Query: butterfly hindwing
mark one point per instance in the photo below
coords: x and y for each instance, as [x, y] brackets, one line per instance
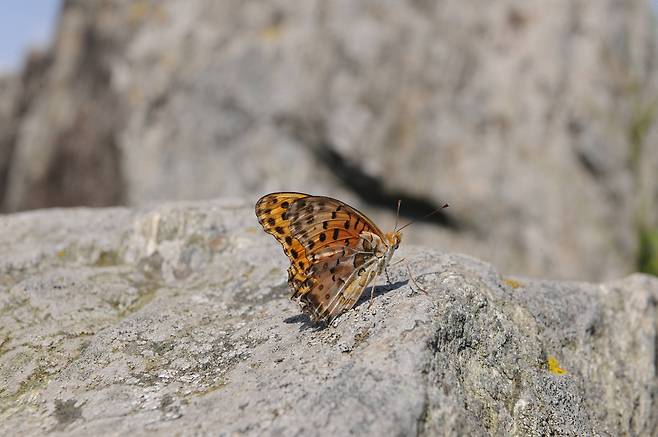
[337, 284]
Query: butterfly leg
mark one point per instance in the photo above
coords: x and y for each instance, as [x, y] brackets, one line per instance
[372, 291]
[388, 278]
[411, 277]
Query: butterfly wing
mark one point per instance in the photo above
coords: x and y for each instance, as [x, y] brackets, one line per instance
[332, 248]
[271, 211]
[330, 294]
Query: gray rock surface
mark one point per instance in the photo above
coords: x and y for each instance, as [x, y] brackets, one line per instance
[68, 117]
[532, 119]
[8, 90]
[174, 319]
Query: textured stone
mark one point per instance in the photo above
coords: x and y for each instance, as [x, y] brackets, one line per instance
[8, 90]
[530, 118]
[174, 319]
[65, 149]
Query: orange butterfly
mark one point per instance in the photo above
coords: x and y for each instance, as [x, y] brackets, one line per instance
[335, 251]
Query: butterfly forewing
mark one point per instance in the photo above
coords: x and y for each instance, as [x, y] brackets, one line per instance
[321, 221]
[271, 211]
[331, 247]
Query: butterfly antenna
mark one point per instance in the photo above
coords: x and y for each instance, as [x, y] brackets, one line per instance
[424, 217]
[397, 215]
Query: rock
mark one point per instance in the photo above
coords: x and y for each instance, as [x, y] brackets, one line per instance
[8, 90]
[68, 118]
[175, 319]
[533, 121]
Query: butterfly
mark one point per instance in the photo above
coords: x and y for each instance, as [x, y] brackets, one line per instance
[335, 251]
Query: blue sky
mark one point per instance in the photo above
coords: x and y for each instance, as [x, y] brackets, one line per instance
[29, 23]
[24, 24]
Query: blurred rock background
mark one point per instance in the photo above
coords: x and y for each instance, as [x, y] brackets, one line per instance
[534, 120]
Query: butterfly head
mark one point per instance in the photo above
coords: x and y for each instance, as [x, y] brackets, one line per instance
[393, 239]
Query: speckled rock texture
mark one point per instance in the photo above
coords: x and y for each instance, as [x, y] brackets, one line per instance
[174, 319]
[535, 120]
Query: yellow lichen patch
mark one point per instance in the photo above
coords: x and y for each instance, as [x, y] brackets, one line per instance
[554, 366]
[143, 10]
[107, 259]
[135, 96]
[272, 33]
[138, 11]
[512, 283]
[63, 254]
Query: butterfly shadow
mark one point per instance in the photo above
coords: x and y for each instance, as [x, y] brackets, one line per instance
[306, 323]
[380, 290]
